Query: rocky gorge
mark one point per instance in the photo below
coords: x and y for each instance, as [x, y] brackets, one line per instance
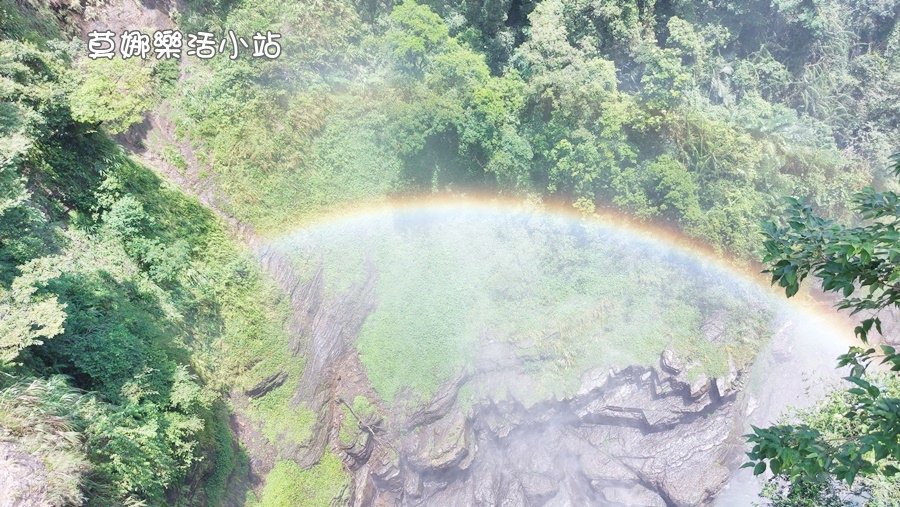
[657, 434]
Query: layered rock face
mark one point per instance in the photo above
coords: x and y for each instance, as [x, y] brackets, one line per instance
[25, 479]
[518, 426]
[636, 437]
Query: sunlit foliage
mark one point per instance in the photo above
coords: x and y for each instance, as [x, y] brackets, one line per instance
[861, 264]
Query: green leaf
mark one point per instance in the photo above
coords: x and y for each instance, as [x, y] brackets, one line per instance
[759, 468]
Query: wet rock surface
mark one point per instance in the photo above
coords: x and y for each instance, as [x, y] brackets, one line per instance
[24, 479]
[641, 436]
[322, 329]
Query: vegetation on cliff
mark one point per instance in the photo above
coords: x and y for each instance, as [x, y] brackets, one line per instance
[702, 116]
[855, 433]
[127, 312]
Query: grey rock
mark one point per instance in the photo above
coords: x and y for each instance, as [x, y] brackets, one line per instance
[632, 496]
[670, 362]
[699, 386]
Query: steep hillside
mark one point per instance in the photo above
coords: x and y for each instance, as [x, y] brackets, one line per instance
[166, 338]
[130, 311]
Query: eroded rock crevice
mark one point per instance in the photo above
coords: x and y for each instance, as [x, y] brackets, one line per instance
[640, 436]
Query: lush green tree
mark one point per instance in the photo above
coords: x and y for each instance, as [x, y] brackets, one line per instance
[114, 93]
[661, 188]
[32, 107]
[829, 418]
[416, 34]
[862, 264]
[26, 317]
[491, 128]
[93, 255]
[148, 443]
[504, 95]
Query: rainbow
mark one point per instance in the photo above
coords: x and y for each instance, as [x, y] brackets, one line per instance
[662, 235]
[795, 371]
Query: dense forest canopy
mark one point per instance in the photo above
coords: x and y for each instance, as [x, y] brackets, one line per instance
[128, 312]
[701, 115]
[115, 292]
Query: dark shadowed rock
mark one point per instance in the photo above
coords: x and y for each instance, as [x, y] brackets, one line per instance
[640, 437]
[267, 384]
[699, 386]
[443, 444]
[670, 362]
